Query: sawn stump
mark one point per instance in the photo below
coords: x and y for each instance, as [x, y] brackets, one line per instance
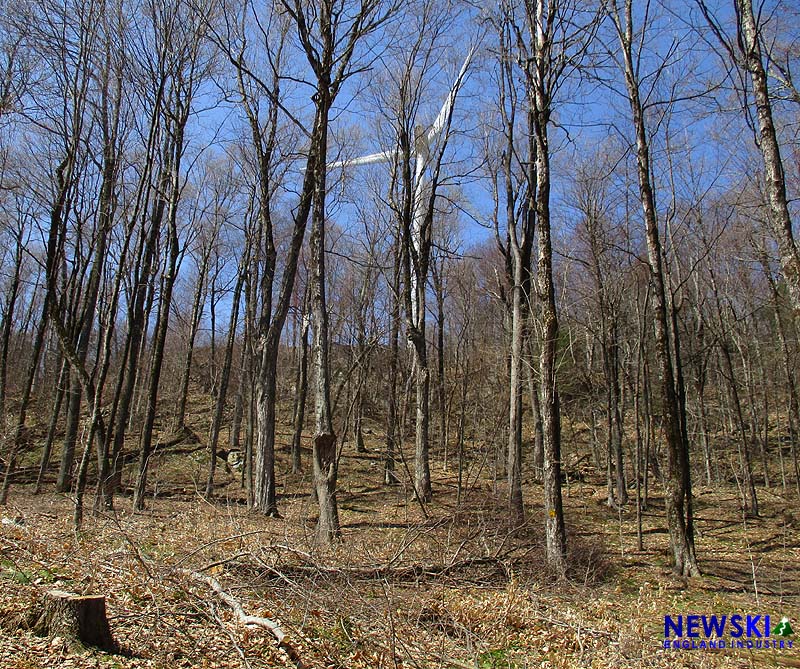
[77, 618]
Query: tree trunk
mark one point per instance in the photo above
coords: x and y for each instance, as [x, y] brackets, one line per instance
[743, 440]
[51, 430]
[775, 180]
[616, 424]
[162, 321]
[64, 482]
[441, 401]
[325, 463]
[264, 498]
[300, 394]
[555, 531]
[516, 510]
[194, 323]
[137, 317]
[392, 428]
[536, 412]
[676, 491]
[222, 390]
[422, 382]
[786, 364]
[8, 322]
[19, 430]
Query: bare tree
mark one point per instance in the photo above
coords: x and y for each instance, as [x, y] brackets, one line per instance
[746, 51]
[678, 479]
[64, 116]
[515, 193]
[329, 34]
[179, 33]
[225, 374]
[550, 38]
[246, 37]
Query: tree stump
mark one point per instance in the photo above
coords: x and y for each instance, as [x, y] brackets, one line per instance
[77, 618]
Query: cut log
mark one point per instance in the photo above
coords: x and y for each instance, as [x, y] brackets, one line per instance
[77, 618]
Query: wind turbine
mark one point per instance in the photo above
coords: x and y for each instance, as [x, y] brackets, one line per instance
[421, 151]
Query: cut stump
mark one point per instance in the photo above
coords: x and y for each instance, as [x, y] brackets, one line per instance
[77, 618]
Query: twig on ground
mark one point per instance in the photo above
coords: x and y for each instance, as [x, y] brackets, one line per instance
[219, 563]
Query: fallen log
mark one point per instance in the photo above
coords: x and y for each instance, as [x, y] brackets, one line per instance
[76, 618]
[268, 624]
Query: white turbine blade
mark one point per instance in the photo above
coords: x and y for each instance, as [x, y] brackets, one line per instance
[383, 156]
[441, 119]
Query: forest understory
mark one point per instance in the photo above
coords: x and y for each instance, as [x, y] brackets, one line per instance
[457, 588]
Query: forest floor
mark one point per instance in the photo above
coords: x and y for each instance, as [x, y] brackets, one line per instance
[454, 589]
